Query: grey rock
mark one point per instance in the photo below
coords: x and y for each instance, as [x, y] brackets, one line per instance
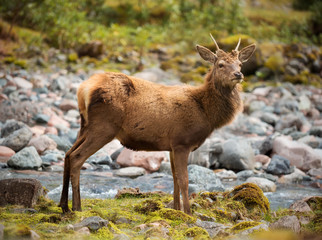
[165, 167]
[3, 82]
[256, 106]
[131, 172]
[267, 145]
[212, 228]
[27, 158]
[263, 183]
[286, 106]
[288, 223]
[93, 223]
[296, 135]
[296, 177]
[72, 135]
[315, 172]
[237, 155]
[1, 231]
[304, 103]
[204, 178]
[115, 154]
[312, 141]
[290, 70]
[59, 84]
[316, 131]
[269, 118]
[62, 142]
[18, 139]
[41, 118]
[288, 121]
[10, 126]
[243, 175]
[226, 175]
[279, 166]
[259, 227]
[20, 191]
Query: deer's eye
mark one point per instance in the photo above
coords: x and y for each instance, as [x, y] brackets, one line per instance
[221, 65]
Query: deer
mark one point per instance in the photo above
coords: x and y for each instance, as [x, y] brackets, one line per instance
[149, 116]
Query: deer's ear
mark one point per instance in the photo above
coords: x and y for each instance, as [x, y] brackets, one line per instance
[246, 53]
[206, 54]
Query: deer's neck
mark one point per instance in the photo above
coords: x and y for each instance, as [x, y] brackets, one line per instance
[220, 104]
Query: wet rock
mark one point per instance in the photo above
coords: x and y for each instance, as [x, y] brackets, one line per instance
[22, 83]
[214, 229]
[5, 154]
[41, 118]
[299, 154]
[296, 177]
[263, 183]
[63, 143]
[279, 166]
[204, 179]
[237, 155]
[150, 161]
[287, 223]
[18, 139]
[43, 143]
[93, 223]
[226, 175]
[27, 158]
[20, 191]
[131, 172]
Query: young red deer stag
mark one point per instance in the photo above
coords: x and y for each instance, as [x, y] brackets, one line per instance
[152, 117]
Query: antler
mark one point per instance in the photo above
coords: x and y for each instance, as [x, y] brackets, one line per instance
[215, 42]
[236, 49]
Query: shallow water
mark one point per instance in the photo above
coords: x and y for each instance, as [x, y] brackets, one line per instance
[103, 185]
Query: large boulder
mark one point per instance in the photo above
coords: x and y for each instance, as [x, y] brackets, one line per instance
[27, 158]
[299, 154]
[237, 155]
[18, 139]
[287, 223]
[24, 192]
[150, 161]
[203, 179]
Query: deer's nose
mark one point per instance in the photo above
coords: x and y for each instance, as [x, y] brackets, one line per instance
[238, 75]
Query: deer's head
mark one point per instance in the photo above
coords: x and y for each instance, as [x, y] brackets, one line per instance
[226, 65]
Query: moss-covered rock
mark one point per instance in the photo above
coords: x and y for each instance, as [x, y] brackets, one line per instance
[176, 215]
[243, 226]
[148, 206]
[197, 233]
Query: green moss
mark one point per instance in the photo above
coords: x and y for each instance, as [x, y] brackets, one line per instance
[72, 57]
[243, 226]
[9, 59]
[191, 77]
[197, 233]
[275, 62]
[230, 42]
[104, 233]
[175, 215]
[148, 206]
[251, 196]
[21, 63]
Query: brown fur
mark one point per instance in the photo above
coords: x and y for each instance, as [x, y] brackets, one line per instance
[149, 116]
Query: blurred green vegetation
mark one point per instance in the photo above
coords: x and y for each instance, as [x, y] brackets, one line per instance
[138, 24]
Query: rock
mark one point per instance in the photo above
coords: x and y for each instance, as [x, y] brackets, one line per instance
[150, 161]
[299, 154]
[263, 183]
[263, 159]
[157, 75]
[279, 166]
[226, 175]
[304, 103]
[5, 154]
[256, 106]
[84, 231]
[131, 172]
[204, 178]
[19, 191]
[68, 104]
[269, 118]
[243, 175]
[316, 131]
[56, 121]
[41, 118]
[18, 139]
[262, 91]
[10, 126]
[1, 231]
[237, 155]
[93, 223]
[34, 235]
[267, 145]
[22, 83]
[59, 84]
[63, 143]
[307, 204]
[315, 172]
[214, 229]
[43, 143]
[288, 121]
[295, 177]
[27, 158]
[260, 227]
[165, 167]
[287, 223]
[91, 49]
[312, 141]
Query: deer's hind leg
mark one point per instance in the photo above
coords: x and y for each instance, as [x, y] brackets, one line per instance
[176, 189]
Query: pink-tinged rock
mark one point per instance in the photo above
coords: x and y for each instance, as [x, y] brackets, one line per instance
[313, 113]
[5, 154]
[56, 121]
[263, 159]
[51, 130]
[3, 97]
[318, 122]
[43, 143]
[262, 91]
[22, 83]
[300, 155]
[112, 147]
[150, 161]
[38, 130]
[68, 104]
